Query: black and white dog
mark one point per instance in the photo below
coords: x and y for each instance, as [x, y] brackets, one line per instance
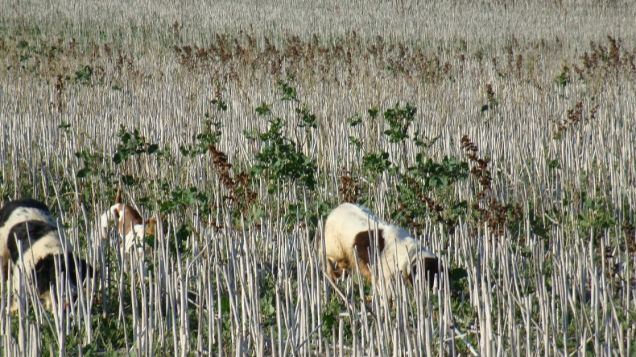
[32, 251]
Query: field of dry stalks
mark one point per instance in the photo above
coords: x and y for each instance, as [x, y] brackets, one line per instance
[501, 133]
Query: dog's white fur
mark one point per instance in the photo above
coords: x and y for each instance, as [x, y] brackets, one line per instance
[399, 255]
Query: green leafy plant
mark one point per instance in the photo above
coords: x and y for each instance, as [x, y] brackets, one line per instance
[279, 160]
[219, 103]
[373, 112]
[84, 74]
[399, 120]
[298, 214]
[376, 163]
[210, 136]
[330, 318]
[64, 126]
[91, 163]
[425, 190]
[354, 120]
[267, 299]
[595, 215]
[181, 198]
[288, 93]
[564, 78]
[307, 118]
[132, 144]
[263, 109]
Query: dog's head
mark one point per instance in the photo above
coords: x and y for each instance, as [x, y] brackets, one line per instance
[60, 275]
[431, 267]
[150, 226]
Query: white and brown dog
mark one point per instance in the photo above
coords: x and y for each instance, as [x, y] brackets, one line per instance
[131, 227]
[356, 237]
[33, 253]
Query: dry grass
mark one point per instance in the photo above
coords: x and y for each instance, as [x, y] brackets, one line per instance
[543, 92]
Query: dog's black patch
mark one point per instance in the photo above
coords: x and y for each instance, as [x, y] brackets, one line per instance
[23, 235]
[8, 208]
[46, 276]
[431, 268]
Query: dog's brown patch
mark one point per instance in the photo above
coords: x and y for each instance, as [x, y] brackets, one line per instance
[130, 219]
[337, 269]
[364, 249]
[362, 244]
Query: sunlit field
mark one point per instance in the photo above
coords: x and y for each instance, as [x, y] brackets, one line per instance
[501, 134]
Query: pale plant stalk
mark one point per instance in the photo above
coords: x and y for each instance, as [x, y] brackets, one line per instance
[524, 294]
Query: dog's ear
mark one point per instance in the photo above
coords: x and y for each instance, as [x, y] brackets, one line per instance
[45, 273]
[432, 269]
[80, 268]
